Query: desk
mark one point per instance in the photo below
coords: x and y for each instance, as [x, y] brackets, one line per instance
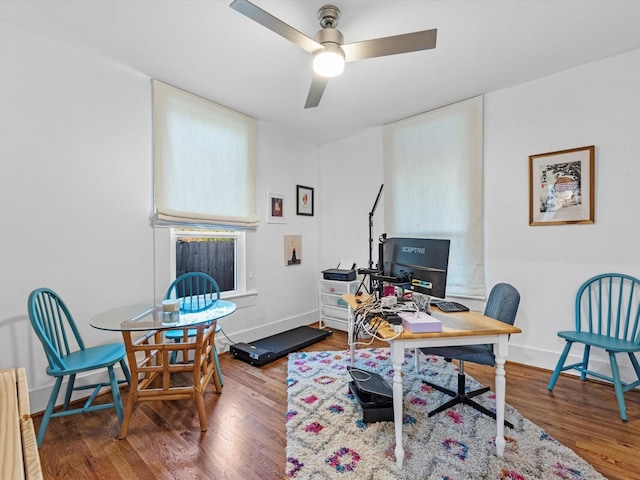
[153, 353]
[465, 328]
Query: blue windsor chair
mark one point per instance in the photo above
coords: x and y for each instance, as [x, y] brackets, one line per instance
[607, 316]
[196, 291]
[68, 356]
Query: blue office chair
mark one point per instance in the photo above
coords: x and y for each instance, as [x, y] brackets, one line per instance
[502, 305]
[607, 316]
[68, 356]
[196, 291]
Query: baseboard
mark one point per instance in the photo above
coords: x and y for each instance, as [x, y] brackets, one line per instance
[547, 360]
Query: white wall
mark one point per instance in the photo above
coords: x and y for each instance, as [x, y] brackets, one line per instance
[76, 199]
[350, 178]
[287, 295]
[76, 190]
[75, 153]
[595, 104]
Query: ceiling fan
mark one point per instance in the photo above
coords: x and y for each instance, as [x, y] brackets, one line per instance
[329, 53]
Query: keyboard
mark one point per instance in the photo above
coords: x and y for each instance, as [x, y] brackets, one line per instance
[450, 307]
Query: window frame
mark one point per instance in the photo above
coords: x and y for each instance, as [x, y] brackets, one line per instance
[240, 255]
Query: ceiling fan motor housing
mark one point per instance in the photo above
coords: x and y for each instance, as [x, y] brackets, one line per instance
[329, 16]
[329, 35]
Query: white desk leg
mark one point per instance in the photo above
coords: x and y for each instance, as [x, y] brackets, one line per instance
[501, 383]
[351, 340]
[397, 357]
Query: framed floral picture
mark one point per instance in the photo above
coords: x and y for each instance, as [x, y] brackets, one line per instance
[275, 208]
[561, 187]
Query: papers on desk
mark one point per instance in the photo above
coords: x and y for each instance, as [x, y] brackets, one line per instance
[420, 322]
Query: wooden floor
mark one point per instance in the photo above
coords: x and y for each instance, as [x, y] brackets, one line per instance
[246, 435]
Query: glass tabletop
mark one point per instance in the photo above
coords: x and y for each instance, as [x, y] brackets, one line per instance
[144, 316]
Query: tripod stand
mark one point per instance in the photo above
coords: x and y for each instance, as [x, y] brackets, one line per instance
[370, 272]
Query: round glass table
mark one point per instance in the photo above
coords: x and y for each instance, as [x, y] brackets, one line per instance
[143, 317]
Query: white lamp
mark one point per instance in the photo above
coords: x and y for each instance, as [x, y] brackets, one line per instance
[329, 62]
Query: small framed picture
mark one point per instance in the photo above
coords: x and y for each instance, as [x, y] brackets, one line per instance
[561, 187]
[275, 208]
[304, 202]
[292, 250]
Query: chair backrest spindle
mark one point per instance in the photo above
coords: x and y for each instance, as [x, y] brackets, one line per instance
[196, 289]
[54, 326]
[609, 304]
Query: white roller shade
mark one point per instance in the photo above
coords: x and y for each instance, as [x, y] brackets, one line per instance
[204, 162]
[434, 187]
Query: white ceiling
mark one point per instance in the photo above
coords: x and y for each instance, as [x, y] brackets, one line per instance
[211, 50]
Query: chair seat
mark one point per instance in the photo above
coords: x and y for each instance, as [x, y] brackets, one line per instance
[601, 341]
[196, 304]
[481, 354]
[177, 334]
[90, 359]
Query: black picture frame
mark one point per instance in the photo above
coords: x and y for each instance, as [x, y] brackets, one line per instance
[304, 200]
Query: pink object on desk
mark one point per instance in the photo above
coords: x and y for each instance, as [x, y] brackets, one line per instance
[420, 322]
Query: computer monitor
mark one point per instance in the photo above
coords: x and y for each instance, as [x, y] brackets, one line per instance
[419, 264]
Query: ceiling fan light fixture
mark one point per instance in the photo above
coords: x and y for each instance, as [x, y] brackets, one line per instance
[329, 62]
[328, 47]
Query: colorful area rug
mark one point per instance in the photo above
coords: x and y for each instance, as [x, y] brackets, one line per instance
[327, 439]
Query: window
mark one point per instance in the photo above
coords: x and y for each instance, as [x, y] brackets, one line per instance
[217, 253]
[433, 187]
[204, 188]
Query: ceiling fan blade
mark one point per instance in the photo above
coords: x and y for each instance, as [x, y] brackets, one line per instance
[380, 47]
[318, 84]
[276, 25]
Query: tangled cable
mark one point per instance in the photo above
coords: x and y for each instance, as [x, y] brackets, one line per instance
[371, 314]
